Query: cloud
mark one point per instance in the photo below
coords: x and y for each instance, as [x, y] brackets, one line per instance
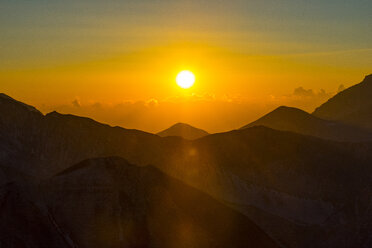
[306, 99]
[204, 110]
[76, 103]
[300, 91]
[154, 115]
[311, 94]
[152, 102]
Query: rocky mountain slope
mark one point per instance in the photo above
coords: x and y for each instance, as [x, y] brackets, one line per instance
[107, 202]
[123, 205]
[302, 191]
[352, 105]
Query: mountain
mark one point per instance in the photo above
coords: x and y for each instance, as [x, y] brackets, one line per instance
[296, 120]
[183, 130]
[301, 190]
[291, 185]
[42, 145]
[123, 205]
[352, 105]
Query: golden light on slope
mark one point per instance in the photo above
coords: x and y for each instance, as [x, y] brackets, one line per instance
[185, 79]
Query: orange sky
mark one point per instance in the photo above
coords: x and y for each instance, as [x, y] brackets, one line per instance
[117, 62]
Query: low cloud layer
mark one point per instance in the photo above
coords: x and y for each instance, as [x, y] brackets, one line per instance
[214, 114]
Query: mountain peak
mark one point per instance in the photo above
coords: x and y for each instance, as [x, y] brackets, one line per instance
[289, 110]
[183, 130]
[281, 116]
[181, 124]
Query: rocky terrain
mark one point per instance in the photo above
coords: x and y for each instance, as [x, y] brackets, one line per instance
[73, 179]
[123, 205]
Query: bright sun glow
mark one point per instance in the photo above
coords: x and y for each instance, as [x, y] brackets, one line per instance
[185, 79]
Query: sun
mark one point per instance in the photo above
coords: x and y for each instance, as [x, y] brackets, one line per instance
[185, 79]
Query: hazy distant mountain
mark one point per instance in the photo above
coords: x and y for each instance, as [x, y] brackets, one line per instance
[296, 120]
[353, 105]
[107, 202]
[183, 130]
[301, 190]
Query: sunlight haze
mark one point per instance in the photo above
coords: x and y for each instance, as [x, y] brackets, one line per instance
[116, 61]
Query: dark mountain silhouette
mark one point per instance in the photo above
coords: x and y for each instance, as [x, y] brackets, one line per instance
[301, 190]
[183, 130]
[296, 120]
[292, 185]
[23, 223]
[352, 105]
[123, 205]
[44, 145]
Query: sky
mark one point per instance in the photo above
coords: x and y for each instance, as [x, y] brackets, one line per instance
[116, 61]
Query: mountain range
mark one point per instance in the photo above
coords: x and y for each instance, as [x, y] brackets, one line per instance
[290, 179]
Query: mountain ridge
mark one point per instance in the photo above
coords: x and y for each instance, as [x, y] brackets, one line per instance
[296, 120]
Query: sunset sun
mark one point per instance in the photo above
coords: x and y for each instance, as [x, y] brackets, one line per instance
[185, 79]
